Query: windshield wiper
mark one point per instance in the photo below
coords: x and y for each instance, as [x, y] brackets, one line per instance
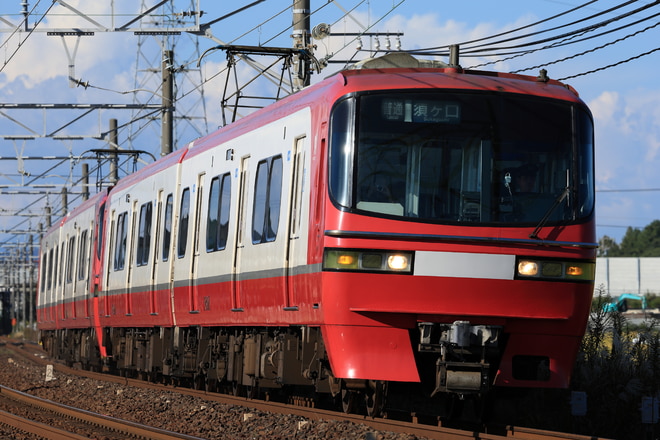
[544, 220]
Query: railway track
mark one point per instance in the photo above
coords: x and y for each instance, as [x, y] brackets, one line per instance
[52, 420]
[413, 426]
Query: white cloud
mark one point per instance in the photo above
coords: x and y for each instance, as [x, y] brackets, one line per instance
[604, 106]
[39, 57]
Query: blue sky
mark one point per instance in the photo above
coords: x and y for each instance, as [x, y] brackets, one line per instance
[624, 99]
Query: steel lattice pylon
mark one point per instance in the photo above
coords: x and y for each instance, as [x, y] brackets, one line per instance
[190, 118]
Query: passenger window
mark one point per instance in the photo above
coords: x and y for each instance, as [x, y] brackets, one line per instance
[70, 259]
[217, 223]
[144, 235]
[82, 256]
[120, 244]
[99, 242]
[267, 200]
[43, 281]
[167, 228]
[60, 264]
[49, 283]
[184, 217]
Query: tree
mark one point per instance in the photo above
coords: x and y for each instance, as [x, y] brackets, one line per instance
[607, 246]
[635, 243]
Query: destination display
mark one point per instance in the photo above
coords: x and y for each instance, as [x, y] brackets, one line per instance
[422, 111]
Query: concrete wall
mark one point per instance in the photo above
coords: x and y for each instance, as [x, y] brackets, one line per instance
[628, 275]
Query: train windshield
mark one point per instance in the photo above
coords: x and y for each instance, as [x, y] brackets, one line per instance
[462, 158]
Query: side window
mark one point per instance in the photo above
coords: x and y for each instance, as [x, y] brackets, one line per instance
[184, 217]
[144, 235]
[59, 264]
[44, 276]
[167, 228]
[217, 224]
[267, 200]
[82, 255]
[120, 244]
[70, 259]
[49, 282]
[99, 242]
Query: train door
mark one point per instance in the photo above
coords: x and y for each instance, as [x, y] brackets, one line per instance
[130, 263]
[58, 279]
[240, 233]
[97, 257]
[81, 278]
[111, 262]
[155, 261]
[295, 209]
[69, 268]
[194, 259]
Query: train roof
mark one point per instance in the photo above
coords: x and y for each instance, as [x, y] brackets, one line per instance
[394, 71]
[404, 71]
[83, 207]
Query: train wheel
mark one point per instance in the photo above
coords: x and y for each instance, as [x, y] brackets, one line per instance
[374, 397]
[236, 388]
[348, 400]
[199, 382]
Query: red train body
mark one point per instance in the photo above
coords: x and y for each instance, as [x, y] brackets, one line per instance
[368, 229]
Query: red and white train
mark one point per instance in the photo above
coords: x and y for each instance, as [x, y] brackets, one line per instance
[407, 224]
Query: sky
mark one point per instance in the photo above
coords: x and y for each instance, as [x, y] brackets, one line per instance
[35, 67]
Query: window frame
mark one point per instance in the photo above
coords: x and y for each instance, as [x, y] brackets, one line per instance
[267, 202]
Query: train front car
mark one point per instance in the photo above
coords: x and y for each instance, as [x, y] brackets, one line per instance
[459, 240]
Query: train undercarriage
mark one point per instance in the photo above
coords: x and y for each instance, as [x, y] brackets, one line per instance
[456, 363]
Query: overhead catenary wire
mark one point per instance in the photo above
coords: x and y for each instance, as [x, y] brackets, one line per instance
[600, 69]
[513, 31]
[566, 34]
[566, 37]
[590, 50]
[28, 35]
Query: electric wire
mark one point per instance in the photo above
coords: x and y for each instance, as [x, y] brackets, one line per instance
[600, 69]
[590, 50]
[573, 41]
[513, 31]
[29, 33]
[584, 29]
[569, 34]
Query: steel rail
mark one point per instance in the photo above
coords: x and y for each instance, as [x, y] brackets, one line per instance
[382, 424]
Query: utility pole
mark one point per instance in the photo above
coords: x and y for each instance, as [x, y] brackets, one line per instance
[65, 202]
[85, 181]
[167, 128]
[301, 40]
[114, 145]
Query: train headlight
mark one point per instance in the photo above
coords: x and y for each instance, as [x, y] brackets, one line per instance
[367, 260]
[528, 268]
[542, 269]
[398, 262]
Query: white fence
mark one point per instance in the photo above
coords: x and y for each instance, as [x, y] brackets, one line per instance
[628, 275]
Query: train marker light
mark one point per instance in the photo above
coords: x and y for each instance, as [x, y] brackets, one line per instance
[574, 271]
[345, 260]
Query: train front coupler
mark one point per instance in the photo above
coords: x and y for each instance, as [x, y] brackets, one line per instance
[464, 351]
